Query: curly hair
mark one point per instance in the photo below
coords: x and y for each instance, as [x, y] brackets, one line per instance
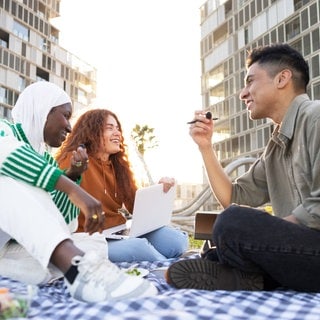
[89, 130]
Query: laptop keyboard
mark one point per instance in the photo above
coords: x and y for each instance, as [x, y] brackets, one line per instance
[124, 232]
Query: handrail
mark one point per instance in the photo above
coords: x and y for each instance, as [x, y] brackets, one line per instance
[203, 195]
[187, 212]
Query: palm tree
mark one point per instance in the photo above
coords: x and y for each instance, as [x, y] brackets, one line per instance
[144, 139]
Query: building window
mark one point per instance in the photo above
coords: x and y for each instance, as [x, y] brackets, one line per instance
[246, 14]
[273, 36]
[82, 98]
[299, 4]
[242, 59]
[260, 138]
[292, 28]
[4, 39]
[306, 45]
[246, 36]
[3, 95]
[235, 147]
[25, 16]
[30, 19]
[316, 91]
[315, 40]
[220, 34]
[297, 45]
[259, 6]
[215, 77]
[248, 142]
[313, 14]
[42, 75]
[267, 135]
[36, 22]
[304, 20]
[244, 121]
[281, 33]
[23, 49]
[228, 7]
[217, 94]
[242, 144]
[10, 97]
[20, 31]
[11, 61]
[253, 9]
[20, 11]
[238, 124]
[240, 18]
[22, 83]
[315, 66]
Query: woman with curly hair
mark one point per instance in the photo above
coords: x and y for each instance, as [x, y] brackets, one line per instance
[110, 180]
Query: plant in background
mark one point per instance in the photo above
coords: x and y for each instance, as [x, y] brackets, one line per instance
[144, 139]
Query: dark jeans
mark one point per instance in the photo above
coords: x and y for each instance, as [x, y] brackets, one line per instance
[287, 254]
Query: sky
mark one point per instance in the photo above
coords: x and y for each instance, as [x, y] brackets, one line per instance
[147, 55]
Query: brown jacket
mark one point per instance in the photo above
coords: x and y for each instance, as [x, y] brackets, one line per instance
[99, 181]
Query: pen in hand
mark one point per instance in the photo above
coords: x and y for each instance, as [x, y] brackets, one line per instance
[208, 116]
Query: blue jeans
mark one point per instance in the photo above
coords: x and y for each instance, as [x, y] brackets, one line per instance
[287, 254]
[158, 245]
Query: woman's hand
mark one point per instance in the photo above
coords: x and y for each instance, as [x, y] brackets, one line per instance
[92, 210]
[167, 183]
[91, 207]
[79, 163]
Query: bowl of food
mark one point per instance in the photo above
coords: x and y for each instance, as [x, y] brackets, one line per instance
[15, 304]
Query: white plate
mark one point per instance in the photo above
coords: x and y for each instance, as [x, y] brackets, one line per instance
[159, 272]
[143, 272]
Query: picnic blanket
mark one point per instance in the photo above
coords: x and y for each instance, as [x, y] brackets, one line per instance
[54, 302]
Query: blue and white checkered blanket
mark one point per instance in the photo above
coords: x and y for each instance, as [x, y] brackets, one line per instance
[54, 302]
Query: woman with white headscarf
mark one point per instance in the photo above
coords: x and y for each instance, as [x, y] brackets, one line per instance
[33, 232]
[30, 112]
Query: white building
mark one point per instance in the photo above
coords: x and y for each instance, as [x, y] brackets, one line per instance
[30, 52]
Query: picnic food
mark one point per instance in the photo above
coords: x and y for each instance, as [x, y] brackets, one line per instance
[12, 306]
[133, 271]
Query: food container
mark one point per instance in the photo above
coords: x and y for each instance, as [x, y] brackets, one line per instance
[15, 304]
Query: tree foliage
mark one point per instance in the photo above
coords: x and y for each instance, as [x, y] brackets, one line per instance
[144, 138]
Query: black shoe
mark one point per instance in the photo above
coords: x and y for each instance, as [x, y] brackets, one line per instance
[208, 251]
[209, 254]
[211, 275]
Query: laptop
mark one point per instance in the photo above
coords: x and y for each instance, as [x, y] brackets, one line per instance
[152, 210]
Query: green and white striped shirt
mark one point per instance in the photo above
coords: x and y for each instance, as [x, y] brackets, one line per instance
[20, 161]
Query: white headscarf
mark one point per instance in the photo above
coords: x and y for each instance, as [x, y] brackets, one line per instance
[32, 109]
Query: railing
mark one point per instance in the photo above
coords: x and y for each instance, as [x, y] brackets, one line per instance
[184, 217]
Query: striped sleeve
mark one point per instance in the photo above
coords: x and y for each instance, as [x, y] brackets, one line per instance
[18, 160]
[61, 199]
[26, 165]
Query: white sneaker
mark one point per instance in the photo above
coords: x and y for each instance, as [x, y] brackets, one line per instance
[99, 280]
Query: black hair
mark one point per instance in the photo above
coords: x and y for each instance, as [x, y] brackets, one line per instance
[281, 56]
